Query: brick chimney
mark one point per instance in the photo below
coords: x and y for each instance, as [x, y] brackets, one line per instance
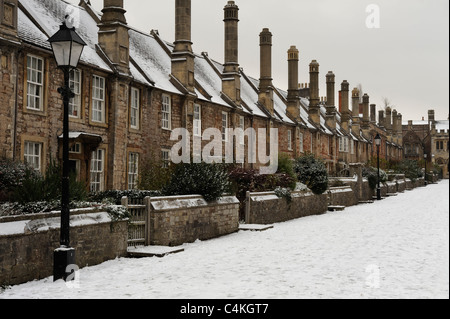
[182, 55]
[8, 19]
[331, 100]
[265, 96]
[381, 118]
[373, 113]
[113, 35]
[344, 109]
[314, 99]
[231, 81]
[366, 116]
[431, 117]
[355, 112]
[388, 120]
[293, 107]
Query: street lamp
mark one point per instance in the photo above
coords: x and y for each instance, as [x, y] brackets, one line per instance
[67, 47]
[425, 156]
[378, 144]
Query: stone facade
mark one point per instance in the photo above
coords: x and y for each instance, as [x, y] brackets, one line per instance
[134, 89]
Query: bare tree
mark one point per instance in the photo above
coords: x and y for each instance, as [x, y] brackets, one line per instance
[387, 103]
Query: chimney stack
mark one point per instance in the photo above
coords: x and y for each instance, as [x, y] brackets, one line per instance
[373, 113]
[366, 116]
[265, 81]
[8, 20]
[113, 35]
[231, 82]
[330, 100]
[381, 119]
[182, 56]
[345, 111]
[355, 110]
[314, 99]
[293, 98]
[431, 117]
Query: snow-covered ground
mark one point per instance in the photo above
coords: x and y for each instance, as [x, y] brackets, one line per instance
[396, 248]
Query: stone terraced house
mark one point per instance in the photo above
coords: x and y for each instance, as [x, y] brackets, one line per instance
[133, 88]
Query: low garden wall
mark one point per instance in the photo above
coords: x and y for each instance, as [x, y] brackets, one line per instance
[267, 208]
[177, 220]
[27, 243]
[342, 196]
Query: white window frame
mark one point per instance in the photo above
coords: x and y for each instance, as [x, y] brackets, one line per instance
[224, 126]
[242, 127]
[302, 150]
[197, 125]
[75, 148]
[35, 83]
[33, 155]
[98, 99]
[97, 172]
[166, 111]
[75, 82]
[289, 140]
[133, 170]
[165, 157]
[135, 108]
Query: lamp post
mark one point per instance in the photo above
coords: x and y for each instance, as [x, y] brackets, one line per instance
[425, 156]
[67, 47]
[378, 144]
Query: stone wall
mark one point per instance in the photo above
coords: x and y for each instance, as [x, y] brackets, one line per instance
[267, 208]
[27, 246]
[184, 219]
[342, 196]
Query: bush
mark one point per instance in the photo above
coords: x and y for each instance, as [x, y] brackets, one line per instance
[12, 175]
[371, 174]
[312, 172]
[37, 188]
[154, 176]
[410, 168]
[285, 166]
[209, 180]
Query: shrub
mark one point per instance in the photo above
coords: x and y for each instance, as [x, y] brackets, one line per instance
[154, 176]
[371, 174]
[410, 168]
[209, 180]
[312, 172]
[285, 166]
[37, 188]
[12, 175]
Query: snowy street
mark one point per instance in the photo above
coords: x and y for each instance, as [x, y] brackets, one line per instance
[396, 248]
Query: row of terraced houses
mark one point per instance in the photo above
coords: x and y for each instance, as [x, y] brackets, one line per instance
[132, 89]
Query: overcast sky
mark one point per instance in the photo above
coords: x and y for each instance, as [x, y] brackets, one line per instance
[405, 60]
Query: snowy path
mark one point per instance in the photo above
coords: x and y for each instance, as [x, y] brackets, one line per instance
[397, 248]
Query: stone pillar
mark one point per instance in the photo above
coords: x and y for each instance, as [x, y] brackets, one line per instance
[182, 56]
[345, 111]
[113, 35]
[331, 101]
[8, 20]
[265, 81]
[231, 82]
[314, 100]
[355, 112]
[293, 107]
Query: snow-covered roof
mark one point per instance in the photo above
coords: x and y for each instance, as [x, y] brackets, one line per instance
[48, 15]
[442, 125]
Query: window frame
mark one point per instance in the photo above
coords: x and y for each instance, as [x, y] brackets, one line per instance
[78, 94]
[39, 156]
[133, 170]
[135, 107]
[225, 123]
[29, 81]
[100, 180]
[197, 122]
[98, 100]
[166, 102]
